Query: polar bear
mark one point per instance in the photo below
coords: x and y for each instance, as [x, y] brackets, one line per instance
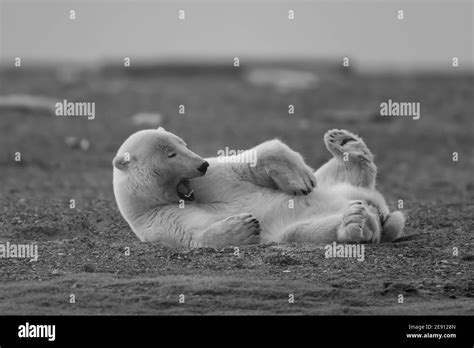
[171, 195]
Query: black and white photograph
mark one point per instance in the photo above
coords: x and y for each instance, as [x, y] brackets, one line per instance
[236, 159]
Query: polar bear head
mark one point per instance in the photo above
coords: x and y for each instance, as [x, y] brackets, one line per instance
[153, 167]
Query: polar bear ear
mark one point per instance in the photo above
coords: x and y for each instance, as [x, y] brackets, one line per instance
[121, 161]
[161, 129]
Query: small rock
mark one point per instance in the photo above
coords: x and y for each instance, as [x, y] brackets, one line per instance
[75, 143]
[88, 269]
[147, 119]
[449, 286]
[84, 144]
[71, 141]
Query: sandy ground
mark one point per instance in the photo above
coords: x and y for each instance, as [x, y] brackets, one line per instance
[84, 251]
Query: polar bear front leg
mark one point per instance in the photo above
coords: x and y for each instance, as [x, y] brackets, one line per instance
[240, 229]
[280, 167]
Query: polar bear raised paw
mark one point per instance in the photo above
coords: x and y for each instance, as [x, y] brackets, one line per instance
[340, 141]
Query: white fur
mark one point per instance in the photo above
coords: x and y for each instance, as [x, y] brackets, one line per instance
[239, 204]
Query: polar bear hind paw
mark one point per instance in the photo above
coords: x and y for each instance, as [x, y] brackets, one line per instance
[357, 225]
[340, 141]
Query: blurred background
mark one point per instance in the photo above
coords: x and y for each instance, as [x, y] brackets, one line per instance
[369, 32]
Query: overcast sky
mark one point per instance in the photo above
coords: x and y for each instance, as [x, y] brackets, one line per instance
[431, 33]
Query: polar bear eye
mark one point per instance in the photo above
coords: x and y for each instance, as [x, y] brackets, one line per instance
[170, 155]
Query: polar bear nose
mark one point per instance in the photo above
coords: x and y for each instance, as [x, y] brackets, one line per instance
[203, 167]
